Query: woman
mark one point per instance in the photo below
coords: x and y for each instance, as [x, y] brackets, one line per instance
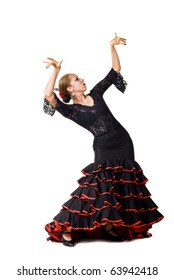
[111, 200]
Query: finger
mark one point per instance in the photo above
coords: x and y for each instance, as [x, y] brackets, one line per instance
[122, 39]
[48, 65]
[123, 42]
[50, 58]
[115, 35]
[47, 61]
[60, 62]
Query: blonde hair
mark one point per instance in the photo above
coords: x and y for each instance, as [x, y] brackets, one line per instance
[64, 82]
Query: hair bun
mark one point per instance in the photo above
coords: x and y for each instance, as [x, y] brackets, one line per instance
[66, 98]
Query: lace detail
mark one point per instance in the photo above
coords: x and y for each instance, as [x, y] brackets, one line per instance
[119, 82]
[66, 110]
[104, 124]
[112, 77]
[97, 119]
[48, 108]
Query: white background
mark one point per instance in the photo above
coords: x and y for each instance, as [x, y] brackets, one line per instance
[42, 156]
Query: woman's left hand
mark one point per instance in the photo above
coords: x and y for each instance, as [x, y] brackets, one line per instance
[117, 41]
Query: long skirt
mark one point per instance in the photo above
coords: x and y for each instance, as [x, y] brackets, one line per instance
[111, 191]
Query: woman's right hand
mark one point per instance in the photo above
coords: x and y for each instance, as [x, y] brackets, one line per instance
[49, 95]
[53, 62]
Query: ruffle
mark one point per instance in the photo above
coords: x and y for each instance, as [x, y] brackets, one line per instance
[48, 108]
[120, 165]
[118, 80]
[112, 191]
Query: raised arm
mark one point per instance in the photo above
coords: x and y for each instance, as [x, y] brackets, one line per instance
[113, 77]
[48, 93]
[51, 102]
[114, 56]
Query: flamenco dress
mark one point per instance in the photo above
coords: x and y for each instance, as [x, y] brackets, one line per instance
[112, 189]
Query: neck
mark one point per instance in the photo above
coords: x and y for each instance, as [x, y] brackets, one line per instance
[79, 98]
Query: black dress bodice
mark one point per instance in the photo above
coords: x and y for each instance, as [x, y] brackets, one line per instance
[98, 119]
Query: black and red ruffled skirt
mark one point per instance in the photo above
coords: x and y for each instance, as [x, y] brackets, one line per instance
[111, 191]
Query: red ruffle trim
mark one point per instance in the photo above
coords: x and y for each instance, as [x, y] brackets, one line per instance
[130, 232]
[117, 206]
[115, 169]
[86, 198]
[136, 182]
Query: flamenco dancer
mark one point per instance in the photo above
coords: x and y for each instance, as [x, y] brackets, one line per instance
[111, 200]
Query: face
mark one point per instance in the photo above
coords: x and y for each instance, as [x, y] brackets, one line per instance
[77, 85]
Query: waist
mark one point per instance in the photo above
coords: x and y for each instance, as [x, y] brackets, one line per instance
[116, 144]
[112, 139]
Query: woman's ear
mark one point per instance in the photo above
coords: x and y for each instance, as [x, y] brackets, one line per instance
[69, 89]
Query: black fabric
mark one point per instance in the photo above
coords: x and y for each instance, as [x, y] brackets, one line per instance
[109, 192]
[98, 119]
[115, 144]
[112, 189]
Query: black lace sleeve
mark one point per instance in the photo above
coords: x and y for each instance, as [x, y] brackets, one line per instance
[66, 110]
[112, 77]
[48, 108]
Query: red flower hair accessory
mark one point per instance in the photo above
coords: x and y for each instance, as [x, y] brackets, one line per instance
[61, 94]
